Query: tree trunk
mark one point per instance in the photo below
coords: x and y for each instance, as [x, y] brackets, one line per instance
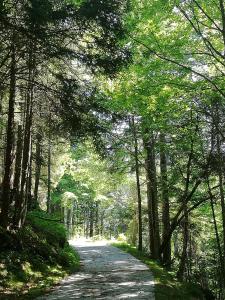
[87, 223]
[166, 255]
[176, 219]
[19, 149]
[29, 201]
[1, 142]
[6, 185]
[16, 184]
[21, 208]
[220, 173]
[91, 221]
[222, 10]
[221, 189]
[49, 177]
[221, 257]
[138, 185]
[183, 261]
[37, 168]
[150, 215]
[102, 223]
[152, 195]
[97, 219]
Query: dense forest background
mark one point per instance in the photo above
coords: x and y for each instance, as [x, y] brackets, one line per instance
[112, 122]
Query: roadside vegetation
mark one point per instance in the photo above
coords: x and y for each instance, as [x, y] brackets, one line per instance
[167, 287]
[35, 258]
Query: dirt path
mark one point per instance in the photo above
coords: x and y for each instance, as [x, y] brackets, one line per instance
[106, 273]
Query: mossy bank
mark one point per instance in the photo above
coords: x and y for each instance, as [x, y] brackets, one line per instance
[35, 258]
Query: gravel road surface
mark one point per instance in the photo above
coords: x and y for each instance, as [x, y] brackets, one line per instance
[106, 273]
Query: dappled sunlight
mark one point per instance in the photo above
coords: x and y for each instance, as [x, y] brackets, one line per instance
[82, 286]
[106, 273]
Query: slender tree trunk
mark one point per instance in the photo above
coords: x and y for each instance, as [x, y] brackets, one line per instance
[221, 257]
[166, 255]
[87, 221]
[71, 219]
[1, 143]
[49, 177]
[21, 209]
[222, 10]
[29, 201]
[183, 261]
[220, 173]
[75, 218]
[221, 189]
[97, 219]
[6, 185]
[37, 168]
[19, 150]
[102, 223]
[176, 219]
[140, 246]
[91, 221]
[150, 215]
[152, 195]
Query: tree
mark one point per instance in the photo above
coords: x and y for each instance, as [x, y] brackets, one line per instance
[41, 39]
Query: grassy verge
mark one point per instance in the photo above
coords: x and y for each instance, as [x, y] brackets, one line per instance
[166, 286]
[35, 258]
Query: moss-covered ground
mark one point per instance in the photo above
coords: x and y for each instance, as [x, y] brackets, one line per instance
[35, 258]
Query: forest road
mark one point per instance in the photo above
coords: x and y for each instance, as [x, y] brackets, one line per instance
[106, 273]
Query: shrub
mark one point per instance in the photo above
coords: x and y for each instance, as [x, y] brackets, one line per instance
[54, 232]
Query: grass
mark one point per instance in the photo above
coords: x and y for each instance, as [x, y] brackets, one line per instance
[166, 286]
[34, 259]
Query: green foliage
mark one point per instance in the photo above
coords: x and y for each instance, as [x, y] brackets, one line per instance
[174, 86]
[48, 224]
[69, 258]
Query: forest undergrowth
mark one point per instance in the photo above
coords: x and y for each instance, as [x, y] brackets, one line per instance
[35, 258]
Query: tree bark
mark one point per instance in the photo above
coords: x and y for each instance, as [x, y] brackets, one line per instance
[183, 261]
[222, 10]
[91, 221]
[29, 201]
[17, 176]
[221, 257]
[97, 219]
[221, 189]
[37, 168]
[176, 219]
[137, 172]
[102, 223]
[21, 208]
[49, 176]
[152, 195]
[220, 172]
[6, 185]
[166, 255]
